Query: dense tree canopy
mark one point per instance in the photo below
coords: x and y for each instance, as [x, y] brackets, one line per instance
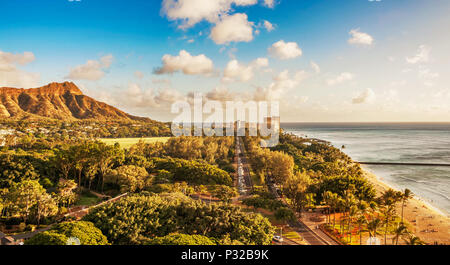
[193, 172]
[14, 169]
[140, 217]
[85, 232]
[129, 178]
[180, 239]
[29, 199]
[362, 188]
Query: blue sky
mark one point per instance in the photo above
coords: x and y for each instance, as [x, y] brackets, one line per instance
[367, 79]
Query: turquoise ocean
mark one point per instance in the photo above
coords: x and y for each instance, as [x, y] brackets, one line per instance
[394, 142]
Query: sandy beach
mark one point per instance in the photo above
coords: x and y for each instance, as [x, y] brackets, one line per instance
[426, 222]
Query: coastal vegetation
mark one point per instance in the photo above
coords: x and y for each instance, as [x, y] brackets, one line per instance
[39, 184]
[140, 218]
[165, 182]
[313, 175]
[81, 232]
[128, 142]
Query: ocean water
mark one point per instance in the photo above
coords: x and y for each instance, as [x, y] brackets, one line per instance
[391, 142]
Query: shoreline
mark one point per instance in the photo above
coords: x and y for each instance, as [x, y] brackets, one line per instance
[388, 185]
[425, 220]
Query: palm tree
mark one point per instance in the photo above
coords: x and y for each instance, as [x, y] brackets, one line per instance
[373, 226]
[340, 205]
[373, 209]
[405, 196]
[361, 218]
[413, 240]
[400, 230]
[388, 199]
[327, 200]
[334, 201]
[352, 212]
[360, 221]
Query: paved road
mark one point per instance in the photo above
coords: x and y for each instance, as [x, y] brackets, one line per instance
[244, 180]
[286, 241]
[313, 236]
[316, 237]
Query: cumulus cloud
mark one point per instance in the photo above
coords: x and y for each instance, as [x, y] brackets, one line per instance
[234, 28]
[138, 97]
[340, 79]
[139, 74]
[426, 73]
[260, 62]
[360, 38]
[269, 3]
[11, 75]
[106, 60]
[165, 82]
[427, 76]
[92, 70]
[269, 26]
[191, 12]
[365, 96]
[315, 67]
[221, 93]
[186, 63]
[281, 84]
[7, 58]
[285, 50]
[422, 55]
[237, 71]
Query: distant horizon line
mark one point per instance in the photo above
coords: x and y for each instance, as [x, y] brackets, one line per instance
[358, 122]
[371, 122]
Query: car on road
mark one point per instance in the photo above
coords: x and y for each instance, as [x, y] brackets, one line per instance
[278, 238]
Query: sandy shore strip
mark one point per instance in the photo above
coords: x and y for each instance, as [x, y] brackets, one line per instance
[426, 221]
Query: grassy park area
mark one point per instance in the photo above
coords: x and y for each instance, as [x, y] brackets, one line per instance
[128, 142]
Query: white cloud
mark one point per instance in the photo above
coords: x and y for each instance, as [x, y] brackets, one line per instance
[427, 76]
[340, 79]
[442, 94]
[138, 97]
[426, 73]
[261, 62]
[285, 50]
[360, 38]
[281, 84]
[165, 82]
[300, 76]
[221, 93]
[398, 83]
[168, 96]
[237, 71]
[185, 62]
[191, 12]
[234, 28]
[269, 26]
[315, 67]
[365, 96]
[422, 56]
[106, 60]
[7, 58]
[12, 76]
[139, 74]
[269, 3]
[92, 70]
